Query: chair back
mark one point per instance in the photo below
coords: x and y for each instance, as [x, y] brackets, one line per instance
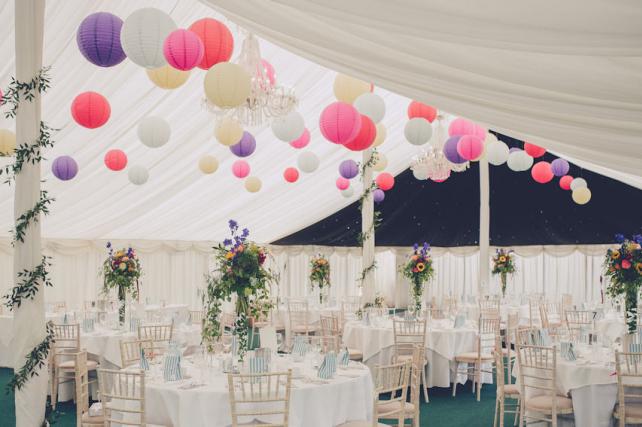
[157, 333]
[130, 351]
[628, 366]
[408, 334]
[487, 334]
[349, 309]
[330, 325]
[122, 395]
[489, 307]
[499, 366]
[59, 306]
[418, 363]
[67, 337]
[550, 312]
[575, 319]
[393, 380]
[81, 381]
[196, 317]
[434, 313]
[227, 321]
[524, 336]
[537, 372]
[325, 343]
[299, 315]
[254, 395]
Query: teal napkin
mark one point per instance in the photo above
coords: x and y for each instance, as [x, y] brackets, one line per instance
[172, 364]
[88, 325]
[329, 366]
[144, 363]
[344, 357]
[134, 323]
[460, 321]
[300, 346]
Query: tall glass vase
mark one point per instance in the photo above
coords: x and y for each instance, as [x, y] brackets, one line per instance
[122, 301]
[631, 306]
[417, 292]
[241, 325]
[502, 277]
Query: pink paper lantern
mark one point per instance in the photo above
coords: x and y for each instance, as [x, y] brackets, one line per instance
[291, 174]
[534, 150]
[115, 160]
[269, 72]
[385, 181]
[470, 147]
[90, 110]
[240, 169]
[461, 127]
[565, 182]
[340, 122]
[183, 49]
[217, 41]
[418, 109]
[365, 137]
[542, 173]
[342, 183]
[301, 141]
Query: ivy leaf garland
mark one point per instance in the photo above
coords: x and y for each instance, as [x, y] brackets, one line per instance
[376, 221]
[36, 359]
[29, 284]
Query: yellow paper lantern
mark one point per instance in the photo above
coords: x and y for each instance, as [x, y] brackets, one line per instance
[347, 88]
[581, 195]
[381, 163]
[227, 85]
[228, 131]
[252, 184]
[380, 137]
[167, 77]
[7, 142]
[208, 164]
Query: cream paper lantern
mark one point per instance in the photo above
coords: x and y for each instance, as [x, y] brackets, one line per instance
[420, 174]
[228, 131]
[490, 138]
[578, 183]
[252, 184]
[307, 162]
[7, 142]
[143, 34]
[371, 105]
[167, 77]
[289, 127]
[208, 164]
[380, 137]
[519, 161]
[154, 131]
[348, 89]
[138, 175]
[348, 192]
[497, 152]
[227, 85]
[418, 131]
[581, 195]
[381, 163]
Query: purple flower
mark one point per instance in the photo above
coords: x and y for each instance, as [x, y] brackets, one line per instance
[619, 238]
[638, 239]
[108, 244]
[233, 225]
[227, 242]
[246, 232]
[415, 246]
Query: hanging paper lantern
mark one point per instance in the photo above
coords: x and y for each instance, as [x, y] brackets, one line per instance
[578, 183]
[154, 131]
[7, 142]
[378, 195]
[240, 169]
[450, 150]
[291, 174]
[308, 162]
[208, 164]
[227, 85]
[542, 172]
[348, 192]
[252, 184]
[381, 163]
[268, 72]
[138, 175]
[364, 139]
[98, 39]
[470, 147]
[462, 127]
[340, 122]
[371, 105]
[513, 149]
[90, 109]
[289, 127]
[420, 174]
[348, 169]
[228, 131]
[348, 89]
[560, 167]
[115, 160]
[143, 35]
[417, 109]
[440, 180]
[519, 161]
[385, 181]
[342, 183]
[301, 141]
[218, 43]
[245, 146]
[490, 139]
[418, 131]
[183, 49]
[565, 182]
[497, 152]
[533, 150]
[380, 138]
[167, 77]
[64, 168]
[581, 195]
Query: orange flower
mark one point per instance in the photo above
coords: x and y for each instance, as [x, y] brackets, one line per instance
[502, 258]
[421, 266]
[414, 257]
[229, 255]
[638, 268]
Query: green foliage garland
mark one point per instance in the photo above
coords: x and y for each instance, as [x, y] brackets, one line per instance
[30, 284]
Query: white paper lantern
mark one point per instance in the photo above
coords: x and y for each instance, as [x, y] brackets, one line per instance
[420, 174]
[371, 105]
[490, 138]
[154, 131]
[208, 164]
[497, 152]
[348, 192]
[308, 162]
[418, 131]
[227, 85]
[381, 163]
[519, 161]
[253, 184]
[143, 34]
[578, 183]
[380, 138]
[581, 195]
[288, 128]
[138, 175]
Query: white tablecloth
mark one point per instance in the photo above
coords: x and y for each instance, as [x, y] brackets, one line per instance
[178, 312]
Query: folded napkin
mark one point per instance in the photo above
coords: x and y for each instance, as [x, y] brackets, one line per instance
[88, 325]
[460, 321]
[329, 366]
[567, 351]
[300, 346]
[65, 320]
[235, 346]
[635, 347]
[144, 363]
[96, 409]
[540, 338]
[172, 364]
[344, 357]
[134, 323]
[258, 365]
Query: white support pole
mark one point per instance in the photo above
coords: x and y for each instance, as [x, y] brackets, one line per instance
[368, 244]
[484, 226]
[29, 319]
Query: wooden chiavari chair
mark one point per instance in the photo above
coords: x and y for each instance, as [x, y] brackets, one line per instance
[628, 366]
[504, 391]
[130, 351]
[534, 301]
[160, 335]
[550, 314]
[299, 318]
[196, 317]
[489, 307]
[349, 309]
[567, 301]
[254, 395]
[578, 319]
[435, 313]
[122, 394]
[82, 394]
[325, 343]
[411, 408]
[508, 352]
[408, 334]
[330, 327]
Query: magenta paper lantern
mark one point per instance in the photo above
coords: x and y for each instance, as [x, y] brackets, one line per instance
[450, 150]
[342, 183]
[378, 195]
[240, 169]
[385, 181]
[470, 147]
[463, 127]
[245, 146]
[565, 182]
[64, 168]
[115, 160]
[90, 110]
[348, 169]
[541, 172]
[560, 167]
[301, 141]
[365, 137]
[183, 49]
[98, 39]
[340, 122]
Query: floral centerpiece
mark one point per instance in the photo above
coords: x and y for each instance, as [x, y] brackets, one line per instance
[623, 266]
[503, 264]
[320, 275]
[121, 271]
[419, 270]
[239, 272]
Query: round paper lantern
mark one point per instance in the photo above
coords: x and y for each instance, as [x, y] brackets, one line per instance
[371, 105]
[90, 110]
[240, 169]
[497, 152]
[542, 173]
[288, 128]
[301, 141]
[245, 146]
[420, 174]
[218, 43]
[138, 175]
[490, 139]
[513, 149]
[385, 181]
[307, 161]
[340, 122]
[269, 72]
[167, 77]
[378, 195]
[227, 85]
[7, 142]
[470, 147]
[115, 160]
[183, 49]
[348, 192]
[381, 162]
[154, 131]
[578, 183]
[366, 136]
[342, 183]
[348, 169]
[64, 168]
[560, 167]
[228, 131]
[450, 150]
[143, 35]
[581, 195]
[98, 39]
[519, 161]
[462, 127]
[534, 150]
[291, 174]
[380, 138]
[418, 131]
[252, 184]
[565, 182]
[348, 89]
[208, 164]
[417, 109]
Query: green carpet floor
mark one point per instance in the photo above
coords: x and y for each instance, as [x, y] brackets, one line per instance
[442, 411]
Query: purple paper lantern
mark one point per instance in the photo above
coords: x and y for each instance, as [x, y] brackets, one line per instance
[512, 149]
[64, 168]
[98, 39]
[378, 195]
[245, 146]
[450, 150]
[348, 169]
[560, 167]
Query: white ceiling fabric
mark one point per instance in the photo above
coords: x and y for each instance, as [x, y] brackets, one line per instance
[178, 202]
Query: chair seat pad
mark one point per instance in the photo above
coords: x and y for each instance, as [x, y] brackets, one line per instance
[71, 364]
[355, 354]
[86, 418]
[472, 357]
[511, 389]
[545, 404]
[384, 407]
[302, 330]
[631, 410]
[361, 424]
